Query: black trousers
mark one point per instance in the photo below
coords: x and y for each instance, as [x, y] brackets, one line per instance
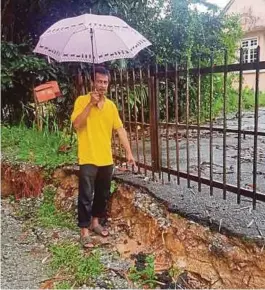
[94, 189]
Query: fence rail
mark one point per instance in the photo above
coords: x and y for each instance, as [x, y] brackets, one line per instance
[162, 109]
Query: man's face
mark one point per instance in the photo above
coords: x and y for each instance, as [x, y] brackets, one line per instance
[101, 83]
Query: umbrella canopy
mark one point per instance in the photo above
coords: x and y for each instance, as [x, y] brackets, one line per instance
[91, 38]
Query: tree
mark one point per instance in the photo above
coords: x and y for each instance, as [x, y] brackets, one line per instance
[177, 30]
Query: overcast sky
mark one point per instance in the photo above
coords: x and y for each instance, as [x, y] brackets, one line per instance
[220, 3]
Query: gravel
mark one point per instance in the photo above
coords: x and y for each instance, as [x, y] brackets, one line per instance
[25, 255]
[151, 207]
[21, 268]
[225, 216]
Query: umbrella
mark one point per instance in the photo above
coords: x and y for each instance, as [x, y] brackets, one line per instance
[90, 38]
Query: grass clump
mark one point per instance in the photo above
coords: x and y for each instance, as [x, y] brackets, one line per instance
[42, 148]
[70, 260]
[63, 285]
[145, 276]
[248, 101]
[48, 216]
[113, 186]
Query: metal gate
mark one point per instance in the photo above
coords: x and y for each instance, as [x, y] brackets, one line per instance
[168, 112]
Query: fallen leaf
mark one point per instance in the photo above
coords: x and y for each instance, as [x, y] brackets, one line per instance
[47, 284]
[45, 259]
[55, 235]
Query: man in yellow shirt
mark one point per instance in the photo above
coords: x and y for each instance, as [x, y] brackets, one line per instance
[94, 118]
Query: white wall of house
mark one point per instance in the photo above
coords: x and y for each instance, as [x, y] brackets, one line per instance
[252, 13]
[260, 35]
[250, 76]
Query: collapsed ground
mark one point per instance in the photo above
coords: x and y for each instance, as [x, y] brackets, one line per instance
[148, 246]
[161, 235]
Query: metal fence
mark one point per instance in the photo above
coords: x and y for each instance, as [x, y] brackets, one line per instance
[169, 113]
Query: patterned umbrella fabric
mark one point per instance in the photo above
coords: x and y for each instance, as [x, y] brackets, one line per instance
[80, 38]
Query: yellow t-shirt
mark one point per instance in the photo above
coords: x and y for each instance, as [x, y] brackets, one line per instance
[94, 139]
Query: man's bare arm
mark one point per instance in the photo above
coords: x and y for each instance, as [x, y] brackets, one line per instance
[125, 143]
[80, 120]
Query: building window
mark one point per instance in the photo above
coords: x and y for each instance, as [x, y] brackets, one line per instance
[249, 49]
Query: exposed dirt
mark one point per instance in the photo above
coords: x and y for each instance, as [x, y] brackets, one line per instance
[141, 225]
[21, 180]
[209, 259]
[67, 189]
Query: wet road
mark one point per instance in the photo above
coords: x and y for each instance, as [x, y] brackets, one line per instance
[247, 144]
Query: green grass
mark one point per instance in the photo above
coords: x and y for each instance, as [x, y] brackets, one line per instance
[248, 97]
[48, 216]
[70, 260]
[63, 285]
[113, 186]
[248, 101]
[43, 213]
[232, 97]
[22, 144]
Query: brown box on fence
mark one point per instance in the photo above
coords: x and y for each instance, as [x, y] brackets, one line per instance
[47, 91]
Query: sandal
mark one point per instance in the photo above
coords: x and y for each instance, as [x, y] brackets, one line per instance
[99, 230]
[86, 242]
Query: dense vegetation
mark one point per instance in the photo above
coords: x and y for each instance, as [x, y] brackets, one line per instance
[177, 30]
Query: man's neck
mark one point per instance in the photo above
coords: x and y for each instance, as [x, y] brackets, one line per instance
[101, 102]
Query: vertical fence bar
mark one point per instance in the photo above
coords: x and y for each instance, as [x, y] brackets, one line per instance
[187, 124]
[129, 107]
[198, 124]
[177, 118]
[255, 155]
[142, 113]
[135, 121]
[122, 96]
[211, 127]
[224, 124]
[117, 103]
[154, 125]
[114, 133]
[151, 91]
[149, 121]
[167, 120]
[122, 102]
[239, 126]
[109, 90]
[160, 146]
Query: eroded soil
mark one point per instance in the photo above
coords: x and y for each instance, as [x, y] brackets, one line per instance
[140, 225]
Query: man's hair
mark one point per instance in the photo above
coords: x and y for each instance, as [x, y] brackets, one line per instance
[100, 70]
